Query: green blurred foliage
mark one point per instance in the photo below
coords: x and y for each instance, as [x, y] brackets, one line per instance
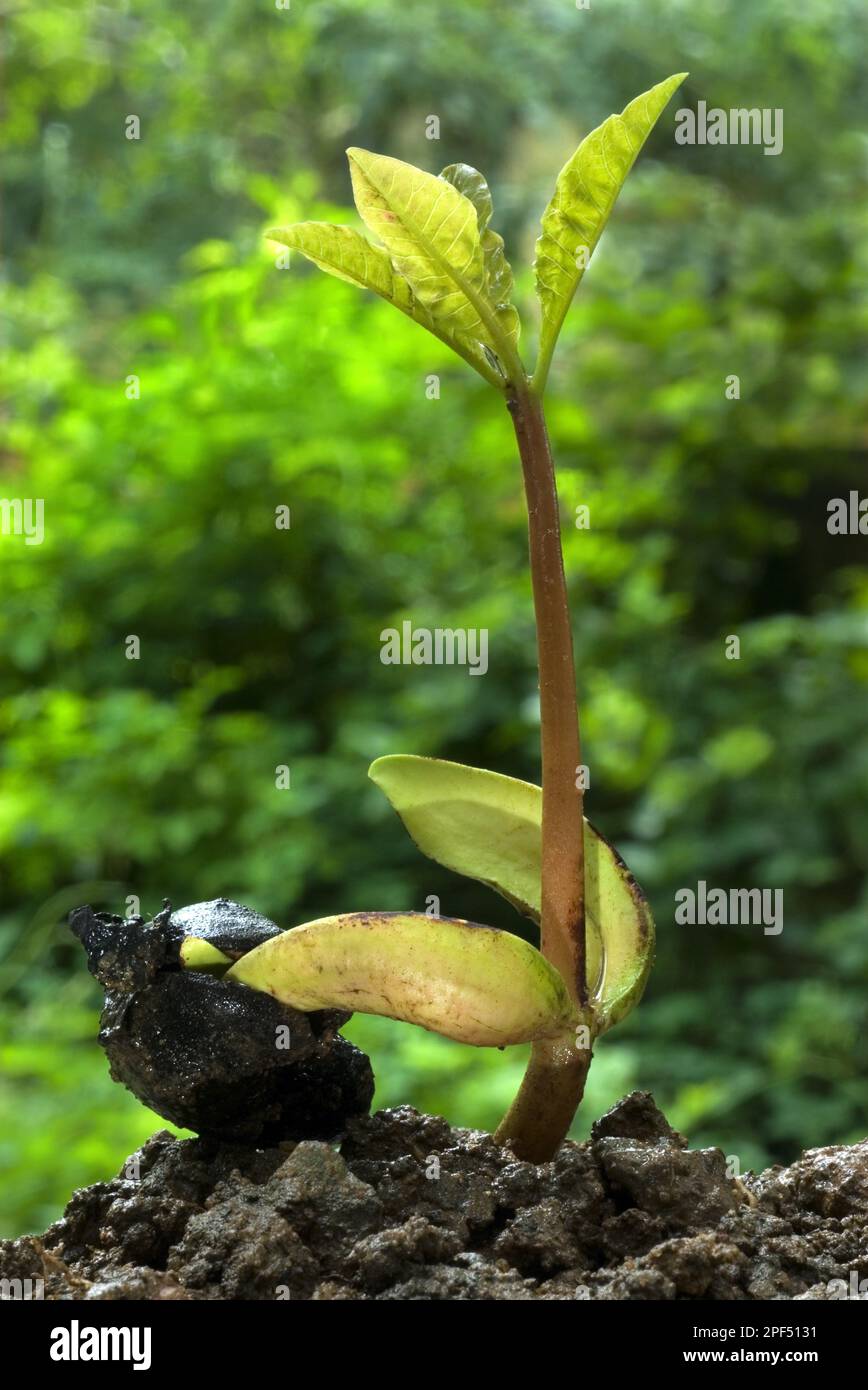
[261, 647]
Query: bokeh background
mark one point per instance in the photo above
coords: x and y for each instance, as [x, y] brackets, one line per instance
[262, 386]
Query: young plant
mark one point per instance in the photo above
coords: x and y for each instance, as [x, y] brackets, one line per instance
[439, 261]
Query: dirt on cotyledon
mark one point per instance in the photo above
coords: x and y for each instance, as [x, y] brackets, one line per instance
[408, 1208]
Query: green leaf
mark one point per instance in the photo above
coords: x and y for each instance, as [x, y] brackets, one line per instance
[431, 232]
[468, 982]
[346, 254]
[586, 191]
[498, 271]
[488, 827]
[479, 824]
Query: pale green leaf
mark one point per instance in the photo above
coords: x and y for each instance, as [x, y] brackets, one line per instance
[498, 271]
[468, 982]
[345, 253]
[585, 194]
[431, 232]
[488, 827]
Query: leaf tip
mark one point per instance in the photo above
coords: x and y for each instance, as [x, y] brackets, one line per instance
[380, 767]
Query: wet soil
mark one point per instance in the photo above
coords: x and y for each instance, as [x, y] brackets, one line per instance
[406, 1207]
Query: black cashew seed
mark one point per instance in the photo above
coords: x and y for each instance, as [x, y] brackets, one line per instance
[206, 1053]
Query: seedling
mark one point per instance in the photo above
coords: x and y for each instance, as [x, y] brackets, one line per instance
[440, 262]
